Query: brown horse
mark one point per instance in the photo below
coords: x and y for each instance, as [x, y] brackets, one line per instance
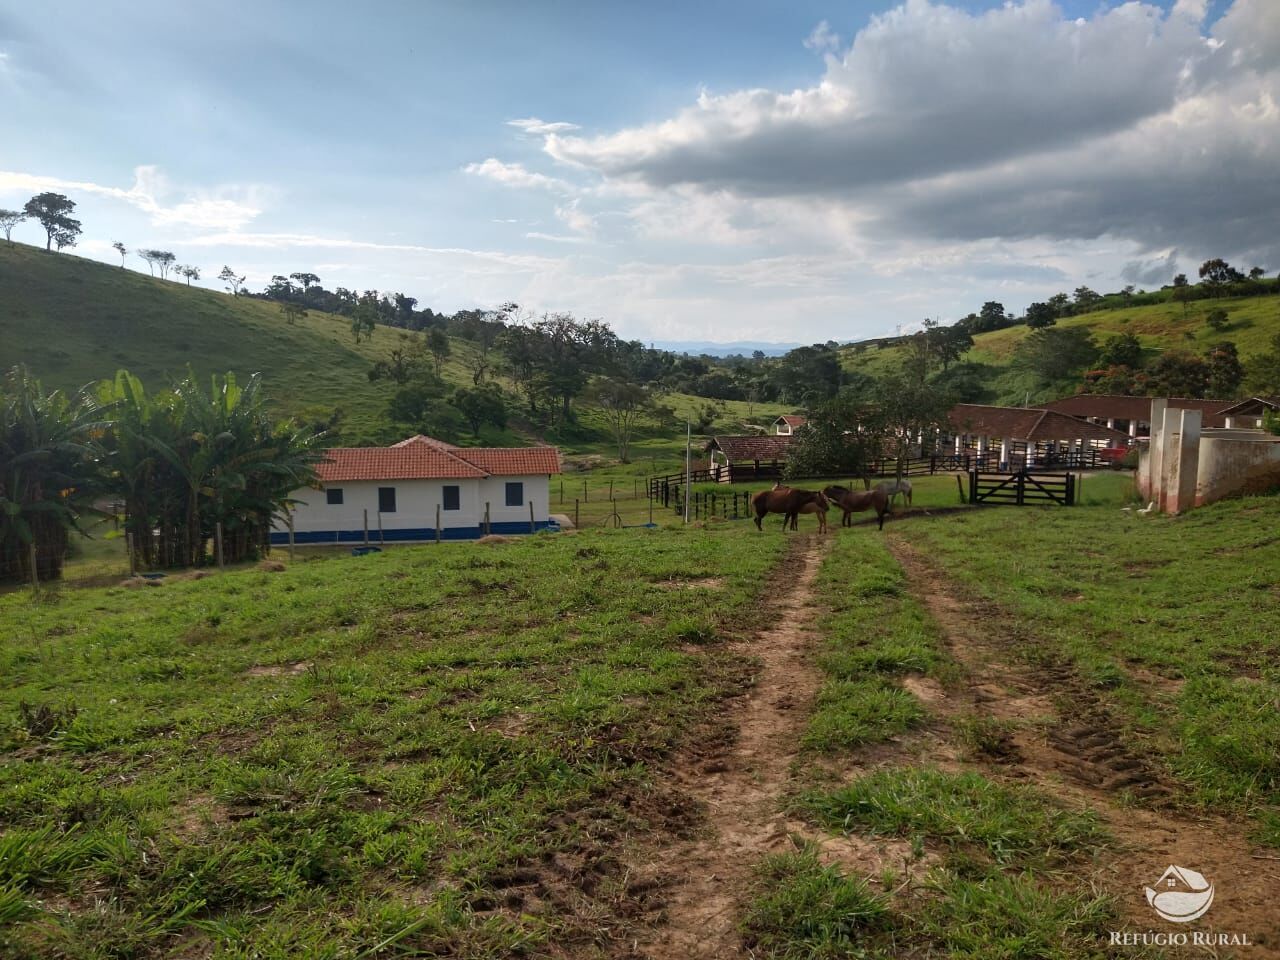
[850, 501]
[790, 503]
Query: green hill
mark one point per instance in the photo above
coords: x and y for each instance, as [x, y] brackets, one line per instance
[1252, 322]
[73, 321]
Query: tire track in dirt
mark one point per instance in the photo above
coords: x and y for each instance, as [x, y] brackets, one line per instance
[741, 783]
[1065, 740]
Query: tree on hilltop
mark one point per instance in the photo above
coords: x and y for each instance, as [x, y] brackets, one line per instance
[10, 219]
[234, 283]
[1040, 315]
[190, 272]
[306, 279]
[54, 210]
[121, 249]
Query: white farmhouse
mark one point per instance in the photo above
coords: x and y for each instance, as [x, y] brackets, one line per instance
[403, 491]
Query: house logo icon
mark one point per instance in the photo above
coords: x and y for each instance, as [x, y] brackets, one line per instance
[1181, 895]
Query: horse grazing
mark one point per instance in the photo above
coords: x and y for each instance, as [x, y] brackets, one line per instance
[851, 501]
[790, 503]
[895, 487]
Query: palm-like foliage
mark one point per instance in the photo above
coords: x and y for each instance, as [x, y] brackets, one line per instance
[47, 472]
[185, 461]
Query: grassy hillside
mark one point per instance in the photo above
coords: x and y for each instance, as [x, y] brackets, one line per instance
[73, 320]
[1251, 324]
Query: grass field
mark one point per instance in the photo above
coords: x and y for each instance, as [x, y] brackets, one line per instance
[356, 751]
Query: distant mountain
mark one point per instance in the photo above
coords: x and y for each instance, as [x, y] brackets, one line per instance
[712, 349]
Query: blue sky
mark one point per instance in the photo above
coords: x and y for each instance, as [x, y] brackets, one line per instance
[718, 171]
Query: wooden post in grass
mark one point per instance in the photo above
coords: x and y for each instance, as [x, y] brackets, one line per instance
[486, 518]
[217, 541]
[635, 489]
[610, 490]
[366, 526]
[290, 520]
[960, 488]
[437, 523]
[576, 525]
[532, 526]
[381, 540]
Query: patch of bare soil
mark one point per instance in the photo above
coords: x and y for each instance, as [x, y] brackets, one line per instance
[700, 583]
[279, 669]
[739, 773]
[1064, 738]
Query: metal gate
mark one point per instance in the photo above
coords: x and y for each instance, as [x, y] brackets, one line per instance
[1023, 488]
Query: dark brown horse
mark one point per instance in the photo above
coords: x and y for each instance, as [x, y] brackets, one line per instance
[851, 501]
[790, 502]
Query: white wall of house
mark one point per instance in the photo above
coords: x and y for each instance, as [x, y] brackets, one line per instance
[416, 502]
[494, 491]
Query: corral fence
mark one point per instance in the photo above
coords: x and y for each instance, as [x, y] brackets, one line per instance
[1024, 488]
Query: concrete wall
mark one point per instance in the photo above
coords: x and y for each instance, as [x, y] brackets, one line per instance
[1236, 462]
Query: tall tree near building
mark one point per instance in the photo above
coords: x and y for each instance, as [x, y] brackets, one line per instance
[53, 211]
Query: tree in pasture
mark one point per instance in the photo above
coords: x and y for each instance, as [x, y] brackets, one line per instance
[1060, 304]
[1055, 354]
[405, 361]
[365, 317]
[843, 435]
[53, 211]
[121, 249]
[1217, 273]
[1256, 274]
[64, 237]
[622, 402]
[1182, 292]
[188, 271]
[234, 283]
[293, 312]
[481, 405]
[1121, 350]
[1086, 299]
[47, 452]
[1040, 315]
[10, 219]
[992, 317]
[808, 375]
[1177, 373]
[150, 257]
[1225, 372]
[438, 344]
[308, 280]
[1216, 319]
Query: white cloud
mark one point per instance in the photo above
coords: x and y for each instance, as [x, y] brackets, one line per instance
[536, 127]
[554, 237]
[228, 208]
[515, 175]
[823, 39]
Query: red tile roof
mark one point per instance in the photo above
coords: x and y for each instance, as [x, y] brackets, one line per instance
[1109, 406]
[792, 421]
[1018, 423]
[747, 449]
[512, 461]
[425, 458]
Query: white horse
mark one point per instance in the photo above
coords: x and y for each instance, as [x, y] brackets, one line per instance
[895, 487]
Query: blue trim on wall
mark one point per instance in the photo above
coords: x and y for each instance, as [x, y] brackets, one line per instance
[417, 535]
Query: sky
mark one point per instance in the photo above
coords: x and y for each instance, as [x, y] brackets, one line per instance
[726, 170]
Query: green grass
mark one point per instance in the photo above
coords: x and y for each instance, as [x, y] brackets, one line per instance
[445, 747]
[1008, 823]
[1189, 600]
[874, 633]
[805, 911]
[1252, 323]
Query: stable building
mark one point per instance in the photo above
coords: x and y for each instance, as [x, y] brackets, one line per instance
[737, 459]
[1014, 438]
[1133, 414]
[422, 489]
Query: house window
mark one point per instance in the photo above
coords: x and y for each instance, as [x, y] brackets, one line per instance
[333, 496]
[515, 494]
[452, 498]
[386, 499]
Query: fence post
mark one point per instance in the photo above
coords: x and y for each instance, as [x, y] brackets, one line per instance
[960, 488]
[576, 525]
[437, 523]
[381, 540]
[1022, 486]
[584, 491]
[973, 486]
[217, 540]
[532, 528]
[610, 489]
[486, 517]
[366, 526]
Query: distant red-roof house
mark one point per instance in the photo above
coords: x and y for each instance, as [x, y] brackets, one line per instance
[423, 489]
[749, 457]
[1030, 425]
[787, 424]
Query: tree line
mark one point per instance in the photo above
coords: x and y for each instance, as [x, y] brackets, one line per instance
[194, 471]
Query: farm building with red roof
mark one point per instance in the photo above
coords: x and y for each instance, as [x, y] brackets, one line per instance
[420, 489]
